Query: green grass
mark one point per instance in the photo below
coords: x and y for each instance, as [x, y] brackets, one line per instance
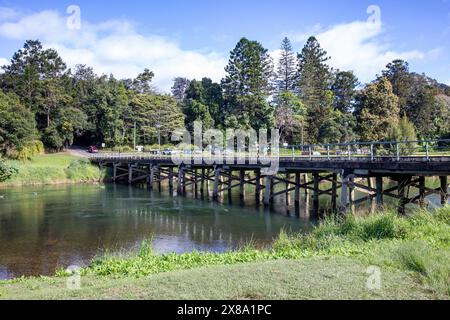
[413, 254]
[312, 278]
[54, 169]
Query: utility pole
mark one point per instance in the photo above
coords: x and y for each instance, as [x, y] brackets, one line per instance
[134, 137]
[158, 126]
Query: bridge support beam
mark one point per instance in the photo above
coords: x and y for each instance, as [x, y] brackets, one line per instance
[297, 193]
[316, 202]
[379, 191]
[444, 190]
[130, 173]
[344, 205]
[242, 184]
[403, 183]
[258, 187]
[217, 177]
[422, 185]
[268, 191]
[171, 180]
[334, 192]
[180, 180]
[287, 186]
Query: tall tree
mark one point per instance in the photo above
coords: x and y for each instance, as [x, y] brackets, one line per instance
[344, 89]
[290, 117]
[179, 88]
[153, 115]
[143, 82]
[286, 72]
[17, 124]
[397, 72]
[313, 85]
[377, 109]
[248, 85]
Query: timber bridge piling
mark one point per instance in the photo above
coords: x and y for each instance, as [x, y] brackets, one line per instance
[346, 172]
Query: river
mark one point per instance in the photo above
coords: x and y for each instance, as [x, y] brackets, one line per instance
[44, 228]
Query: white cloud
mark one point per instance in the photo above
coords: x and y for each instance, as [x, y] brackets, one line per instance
[358, 46]
[115, 47]
[7, 14]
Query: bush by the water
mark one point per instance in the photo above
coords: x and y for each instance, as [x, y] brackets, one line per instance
[82, 170]
[6, 171]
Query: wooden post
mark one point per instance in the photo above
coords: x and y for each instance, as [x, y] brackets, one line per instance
[268, 191]
[171, 180]
[371, 185]
[242, 184]
[297, 192]
[202, 183]
[288, 194]
[159, 178]
[379, 187]
[114, 172]
[444, 190]
[195, 173]
[402, 185]
[351, 192]
[130, 173]
[258, 187]
[334, 193]
[217, 175]
[229, 185]
[180, 180]
[316, 178]
[150, 178]
[306, 181]
[422, 202]
[183, 181]
[343, 209]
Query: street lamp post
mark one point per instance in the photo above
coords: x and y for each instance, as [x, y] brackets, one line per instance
[158, 126]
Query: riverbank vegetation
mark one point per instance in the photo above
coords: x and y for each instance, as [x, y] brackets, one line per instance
[418, 245]
[412, 253]
[51, 169]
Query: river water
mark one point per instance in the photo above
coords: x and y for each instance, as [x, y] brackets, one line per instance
[44, 228]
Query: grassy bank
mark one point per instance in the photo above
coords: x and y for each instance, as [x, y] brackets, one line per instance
[331, 262]
[53, 169]
[311, 278]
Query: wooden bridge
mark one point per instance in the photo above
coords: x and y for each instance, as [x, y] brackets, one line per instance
[297, 174]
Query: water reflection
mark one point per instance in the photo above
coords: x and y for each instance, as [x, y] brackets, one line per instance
[47, 227]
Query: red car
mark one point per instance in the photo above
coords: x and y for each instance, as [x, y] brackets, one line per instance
[92, 149]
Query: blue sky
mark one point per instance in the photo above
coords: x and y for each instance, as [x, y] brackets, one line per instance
[193, 38]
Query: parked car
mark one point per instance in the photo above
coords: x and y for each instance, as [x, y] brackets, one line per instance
[92, 149]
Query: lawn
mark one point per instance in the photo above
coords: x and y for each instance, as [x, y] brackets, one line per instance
[313, 278]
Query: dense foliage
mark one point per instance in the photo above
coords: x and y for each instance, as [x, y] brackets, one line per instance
[42, 101]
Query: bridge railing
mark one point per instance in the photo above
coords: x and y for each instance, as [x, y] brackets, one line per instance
[370, 151]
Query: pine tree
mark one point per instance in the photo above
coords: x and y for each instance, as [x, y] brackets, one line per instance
[179, 88]
[344, 89]
[313, 85]
[286, 72]
[248, 85]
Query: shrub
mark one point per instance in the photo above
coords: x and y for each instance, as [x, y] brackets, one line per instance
[6, 171]
[83, 170]
[29, 150]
